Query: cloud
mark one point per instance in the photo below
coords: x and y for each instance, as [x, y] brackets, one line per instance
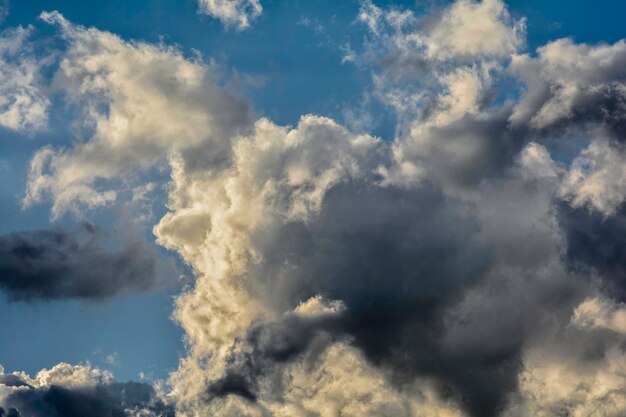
[60, 264]
[468, 28]
[571, 83]
[113, 359]
[601, 314]
[578, 370]
[412, 267]
[71, 391]
[235, 13]
[444, 59]
[141, 104]
[23, 103]
[597, 178]
[464, 30]
[596, 245]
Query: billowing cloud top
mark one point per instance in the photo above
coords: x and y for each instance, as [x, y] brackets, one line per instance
[465, 268]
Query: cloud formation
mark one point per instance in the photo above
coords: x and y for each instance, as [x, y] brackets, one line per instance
[73, 391]
[54, 264]
[232, 13]
[465, 268]
[135, 121]
[23, 104]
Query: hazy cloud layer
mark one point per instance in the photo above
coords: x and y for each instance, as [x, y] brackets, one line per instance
[59, 264]
[465, 268]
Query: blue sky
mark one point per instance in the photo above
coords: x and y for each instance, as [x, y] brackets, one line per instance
[288, 64]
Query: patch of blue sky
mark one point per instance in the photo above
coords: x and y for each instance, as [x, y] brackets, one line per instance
[136, 327]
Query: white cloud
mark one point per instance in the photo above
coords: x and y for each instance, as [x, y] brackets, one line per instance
[600, 313]
[77, 387]
[556, 383]
[437, 72]
[465, 30]
[339, 382]
[72, 376]
[236, 13]
[597, 178]
[23, 104]
[569, 81]
[143, 103]
[470, 29]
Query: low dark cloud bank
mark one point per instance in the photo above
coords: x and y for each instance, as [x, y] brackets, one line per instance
[112, 399]
[62, 264]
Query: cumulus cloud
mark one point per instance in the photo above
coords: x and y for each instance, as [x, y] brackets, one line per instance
[465, 30]
[597, 178]
[600, 313]
[23, 103]
[449, 272]
[77, 390]
[235, 13]
[569, 82]
[141, 103]
[468, 28]
[54, 264]
[442, 60]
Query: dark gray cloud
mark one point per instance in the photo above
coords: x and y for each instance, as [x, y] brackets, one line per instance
[59, 264]
[268, 345]
[398, 259]
[597, 243]
[11, 412]
[421, 279]
[112, 399]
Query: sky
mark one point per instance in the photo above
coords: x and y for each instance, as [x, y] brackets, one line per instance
[312, 208]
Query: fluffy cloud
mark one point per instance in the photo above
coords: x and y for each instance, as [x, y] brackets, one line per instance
[469, 28]
[577, 371]
[59, 264]
[67, 391]
[464, 30]
[443, 60]
[597, 178]
[600, 313]
[569, 83]
[141, 103]
[23, 104]
[237, 13]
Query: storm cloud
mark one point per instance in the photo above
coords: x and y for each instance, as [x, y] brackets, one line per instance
[45, 265]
